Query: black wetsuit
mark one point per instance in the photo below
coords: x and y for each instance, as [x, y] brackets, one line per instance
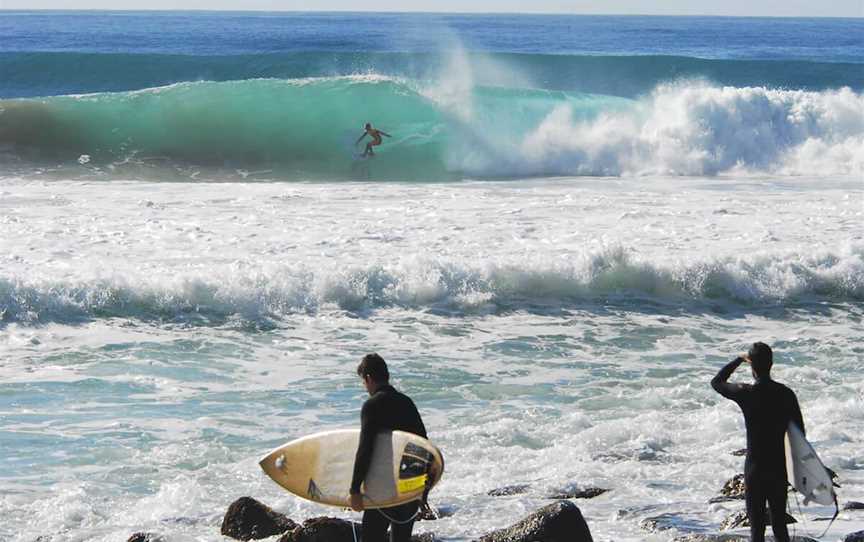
[768, 408]
[386, 410]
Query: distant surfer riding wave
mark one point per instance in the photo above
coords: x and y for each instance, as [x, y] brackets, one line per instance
[375, 134]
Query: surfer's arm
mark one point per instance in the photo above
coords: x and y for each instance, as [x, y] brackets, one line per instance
[364, 448]
[384, 133]
[720, 381]
[361, 138]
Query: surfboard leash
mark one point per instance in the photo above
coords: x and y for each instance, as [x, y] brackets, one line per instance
[804, 520]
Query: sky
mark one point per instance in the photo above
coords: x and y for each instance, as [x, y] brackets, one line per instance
[757, 8]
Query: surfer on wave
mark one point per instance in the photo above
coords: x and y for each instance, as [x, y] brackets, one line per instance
[768, 407]
[375, 134]
[385, 410]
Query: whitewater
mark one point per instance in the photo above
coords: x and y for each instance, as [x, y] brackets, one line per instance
[559, 247]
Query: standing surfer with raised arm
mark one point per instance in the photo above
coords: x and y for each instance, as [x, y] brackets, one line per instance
[375, 134]
[768, 407]
[385, 410]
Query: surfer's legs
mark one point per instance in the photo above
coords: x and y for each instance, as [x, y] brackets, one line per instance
[375, 523]
[374, 526]
[777, 504]
[754, 495]
[401, 532]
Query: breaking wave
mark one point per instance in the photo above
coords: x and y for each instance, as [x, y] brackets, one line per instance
[305, 129]
[265, 293]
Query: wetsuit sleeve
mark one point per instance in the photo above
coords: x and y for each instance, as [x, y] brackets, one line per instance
[364, 448]
[720, 381]
[796, 414]
[421, 427]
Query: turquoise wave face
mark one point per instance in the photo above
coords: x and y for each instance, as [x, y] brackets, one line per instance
[304, 128]
[442, 129]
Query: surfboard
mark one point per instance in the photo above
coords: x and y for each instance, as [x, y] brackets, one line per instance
[319, 467]
[805, 470]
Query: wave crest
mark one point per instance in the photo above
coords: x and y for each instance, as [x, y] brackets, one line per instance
[259, 294]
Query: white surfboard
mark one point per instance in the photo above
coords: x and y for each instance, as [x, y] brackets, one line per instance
[806, 472]
[319, 467]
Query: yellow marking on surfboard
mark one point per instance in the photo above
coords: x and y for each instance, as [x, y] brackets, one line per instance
[411, 484]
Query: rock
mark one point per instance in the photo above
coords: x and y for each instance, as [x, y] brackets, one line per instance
[326, 529]
[505, 491]
[323, 529]
[662, 522]
[146, 537]
[432, 513]
[561, 521]
[739, 453]
[736, 520]
[248, 519]
[734, 487]
[577, 493]
[854, 537]
[740, 519]
[853, 505]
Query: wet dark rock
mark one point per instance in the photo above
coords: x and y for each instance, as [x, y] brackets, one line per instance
[326, 529]
[739, 453]
[323, 529]
[146, 537]
[577, 493]
[740, 519]
[505, 491]
[662, 522]
[734, 487]
[559, 522]
[248, 519]
[854, 537]
[736, 520]
[853, 505]
[431, 513]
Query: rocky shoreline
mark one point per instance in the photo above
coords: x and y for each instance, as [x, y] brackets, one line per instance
[561, 521]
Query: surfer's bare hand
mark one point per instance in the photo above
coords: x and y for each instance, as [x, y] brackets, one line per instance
[357, 502]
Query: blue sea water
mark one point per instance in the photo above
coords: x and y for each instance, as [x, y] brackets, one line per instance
[577, 221]
[286, 92]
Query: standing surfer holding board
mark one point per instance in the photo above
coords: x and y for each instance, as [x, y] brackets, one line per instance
[385, 410]
[768, 407]
[375, 134]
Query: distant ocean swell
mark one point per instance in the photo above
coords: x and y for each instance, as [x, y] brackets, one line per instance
[249, 293]
[443, 129]
[49, 74]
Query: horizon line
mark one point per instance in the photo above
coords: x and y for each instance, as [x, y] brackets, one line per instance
[422, 12]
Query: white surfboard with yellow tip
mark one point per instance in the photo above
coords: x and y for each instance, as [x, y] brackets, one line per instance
[319, 467]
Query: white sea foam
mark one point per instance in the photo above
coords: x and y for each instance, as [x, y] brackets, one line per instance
[684, 128]
[277, 291]
[558, 333]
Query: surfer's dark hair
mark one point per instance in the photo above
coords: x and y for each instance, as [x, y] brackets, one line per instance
[761, 358]
[373, 366]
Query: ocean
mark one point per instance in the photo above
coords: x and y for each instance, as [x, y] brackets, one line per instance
[576, 222]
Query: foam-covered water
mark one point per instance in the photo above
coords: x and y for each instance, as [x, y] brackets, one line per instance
[576, 223]
[159, 337]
